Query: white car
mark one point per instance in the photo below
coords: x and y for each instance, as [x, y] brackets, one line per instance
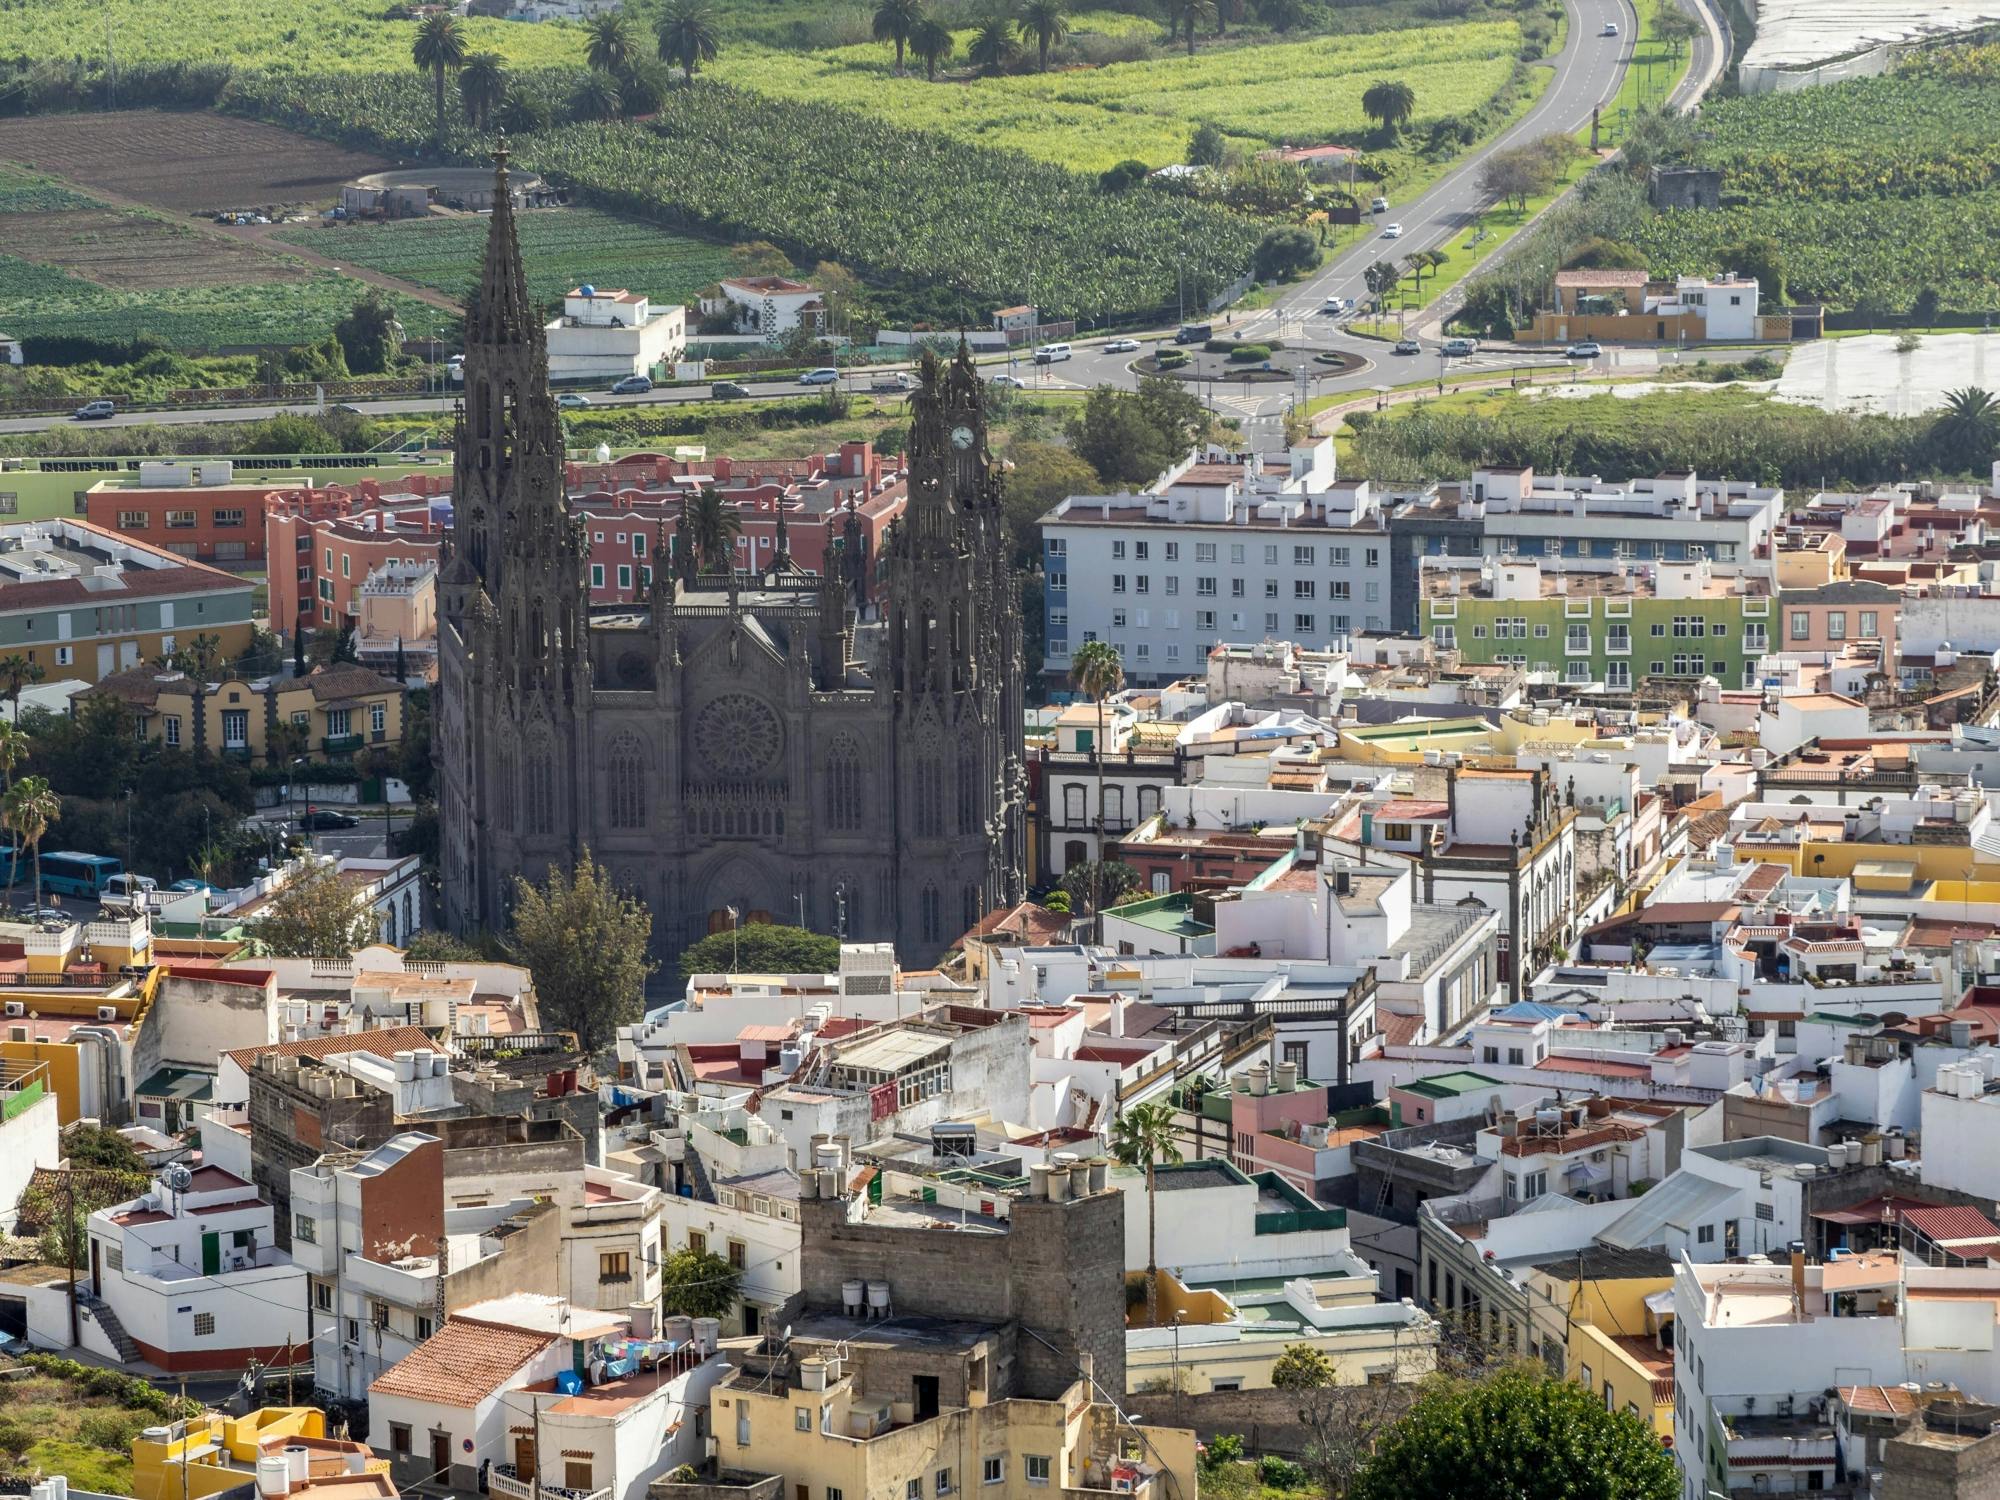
[1392, 231]
[1334, 305]
[1408, 346]
[1610, 29]
[1122, 346]
[1010, 382]
[1588, 349]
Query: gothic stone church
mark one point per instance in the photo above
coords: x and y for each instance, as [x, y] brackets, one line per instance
[721, 742]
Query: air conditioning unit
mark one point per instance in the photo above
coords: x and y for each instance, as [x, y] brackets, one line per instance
[107, 1012]
[17, 1008]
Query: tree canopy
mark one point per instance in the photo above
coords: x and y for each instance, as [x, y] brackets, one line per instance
[1516, 1435]
[315, 915]
[1301, 1368]
[1129, 437]
[585, 942]
[763, 948]
[698, 1284]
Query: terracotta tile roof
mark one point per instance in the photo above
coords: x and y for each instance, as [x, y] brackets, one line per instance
[1879, 1400]
[139, 687]
[347, 680]
[1951, 1222]
[1605, 1069]
[1608, 276]
[462, 1364]
[383, 1041]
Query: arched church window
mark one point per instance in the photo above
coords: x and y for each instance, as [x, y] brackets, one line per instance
[843, 786]
[627, 777]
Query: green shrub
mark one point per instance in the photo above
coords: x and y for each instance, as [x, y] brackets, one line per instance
[111, 1428]
[1249, 354]
[1280, 1473]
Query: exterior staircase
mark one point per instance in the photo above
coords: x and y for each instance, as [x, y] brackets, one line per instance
[100, 1311]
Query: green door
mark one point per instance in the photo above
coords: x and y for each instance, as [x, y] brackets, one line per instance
[211, 1254]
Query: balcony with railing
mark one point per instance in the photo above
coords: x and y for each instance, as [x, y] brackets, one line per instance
[504, 1480]
[340, 744]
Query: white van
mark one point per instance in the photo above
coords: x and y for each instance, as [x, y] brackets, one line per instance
[1050, 354]
[1460, 347]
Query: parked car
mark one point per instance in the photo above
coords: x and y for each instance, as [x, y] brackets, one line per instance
[1610, 29]
[1392, 231]
[893, 380]
[1408, 346]
[1588, 349]
[1379, 206]
[95, 411]
[728, 390]
[824, 375]
[572, 398]
[633, 385]
[1011, 382]
[15, 1346]
[42, 914]
[1122, 346]
[321, 819]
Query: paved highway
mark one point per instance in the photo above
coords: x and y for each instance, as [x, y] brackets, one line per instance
[1588, 73]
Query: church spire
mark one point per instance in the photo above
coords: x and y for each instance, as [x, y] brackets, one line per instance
[502, 313]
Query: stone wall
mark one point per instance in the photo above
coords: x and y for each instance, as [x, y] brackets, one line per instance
[1921, 1466]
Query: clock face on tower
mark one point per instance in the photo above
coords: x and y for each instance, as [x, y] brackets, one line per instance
[961, 438]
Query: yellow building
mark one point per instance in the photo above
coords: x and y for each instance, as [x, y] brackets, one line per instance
[70, 1007]
[1606, 1320]
[809, 1424]
[332, 713]
[214, 1453]
[1404, 743]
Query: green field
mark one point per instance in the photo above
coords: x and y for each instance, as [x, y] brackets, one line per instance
[1302, 93]
[315, 35]
[563, 248]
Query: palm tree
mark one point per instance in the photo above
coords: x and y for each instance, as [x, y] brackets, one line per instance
[597, 97]
[992, 45]
[612, 47]
[482, 88]
[687, 34]
[439, 48]
[1047, 21]
[204, 654]
[712, 525]
[1189, 14]
[1967, 432]
[1389, 102]
[29, 809]
[13, 750]
[1144, 1137]
[932, 42]
[895, 20]
[1096, 671]
[16, 672]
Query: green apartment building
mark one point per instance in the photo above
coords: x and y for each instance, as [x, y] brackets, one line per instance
[1611, 629]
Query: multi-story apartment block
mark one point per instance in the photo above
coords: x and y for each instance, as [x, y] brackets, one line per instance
[1219, 548]
[1582, 521]
[1612, 629]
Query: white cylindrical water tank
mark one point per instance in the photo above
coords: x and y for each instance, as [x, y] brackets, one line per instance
[1260, 1079]
[812, 1374]
[853, 1291]
[826, 1157]
[878, 1299]
[707, 1334]
[1038, 1180]
[1058, 1184]
[406, 1065]
[679, 1328]
[1287, 1077]
[1100, 1167]
[274, 1476]
[440, 1065]
[298, 1460]
[1066, 1159]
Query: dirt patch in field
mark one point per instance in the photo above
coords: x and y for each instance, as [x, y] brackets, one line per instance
[133, 251]
[191, 162]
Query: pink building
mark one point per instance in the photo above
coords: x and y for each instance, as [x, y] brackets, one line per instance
[1835, 615]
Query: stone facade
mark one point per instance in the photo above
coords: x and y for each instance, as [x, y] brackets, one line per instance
[717, 742]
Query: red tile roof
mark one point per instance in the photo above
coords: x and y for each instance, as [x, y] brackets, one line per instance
[462, 1364]
[1951, 1222]
[1879, 1400]
[383, 1041]
[1588, 1065]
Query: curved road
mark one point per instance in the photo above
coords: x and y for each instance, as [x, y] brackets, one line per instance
[1588, 73]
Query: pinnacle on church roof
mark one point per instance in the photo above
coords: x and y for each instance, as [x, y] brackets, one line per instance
[503, 313]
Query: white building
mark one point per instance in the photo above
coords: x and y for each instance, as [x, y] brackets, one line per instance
[533, 1396]
[189, 1277]
[1726, 304]
[771, 305]
[1221, 547]
[1958, 1120]
[608, 335]
[1591, 523]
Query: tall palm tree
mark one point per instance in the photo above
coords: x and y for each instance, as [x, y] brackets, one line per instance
[29, 809]
[687, 34]
[16, 672]
[204, 654]
[1189, 14]
[13, 750]
[482, 88]
[1144, 1137]
[712, 524]
[439, 48]
[1967, 433]
[895, 21]
[932, 42]
[1096, 671]
[612, 47]
[1047, 21]
[1389, 102]
[992, 44]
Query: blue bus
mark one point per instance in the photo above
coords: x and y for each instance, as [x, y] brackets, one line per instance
[63, 870]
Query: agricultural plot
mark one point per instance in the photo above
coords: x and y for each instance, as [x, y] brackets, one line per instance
[1305, 92]
[915, 210]
[187, 162]
[563, 248]
[349, 35]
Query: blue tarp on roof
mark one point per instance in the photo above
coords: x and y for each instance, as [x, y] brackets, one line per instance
[1535, 1010]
